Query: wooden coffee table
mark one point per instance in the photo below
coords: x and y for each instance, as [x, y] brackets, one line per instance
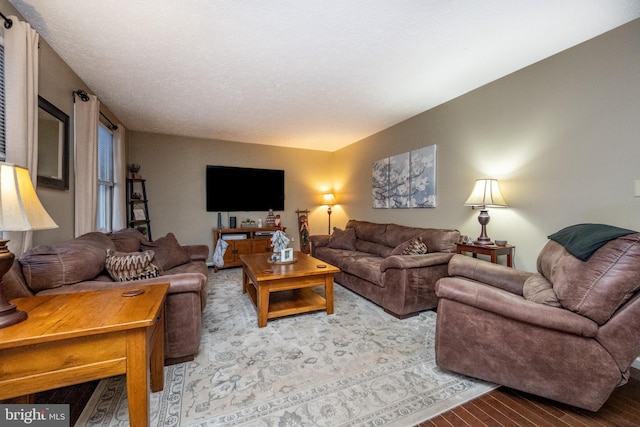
[77, 337]
[279, 290]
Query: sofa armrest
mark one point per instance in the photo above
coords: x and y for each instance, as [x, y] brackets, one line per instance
[181, 282]
[497, 275]
[318, 240]
[513, 306]
[197, 252]
[414, 261]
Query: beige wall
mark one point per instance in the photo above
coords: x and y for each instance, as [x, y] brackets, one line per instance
[56, 82]
[174, 167]
[560, 135]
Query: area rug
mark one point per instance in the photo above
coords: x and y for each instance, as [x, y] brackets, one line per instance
[359, 366]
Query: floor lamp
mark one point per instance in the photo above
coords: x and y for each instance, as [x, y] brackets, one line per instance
[20, 210]
[486, 193]
[329, 201]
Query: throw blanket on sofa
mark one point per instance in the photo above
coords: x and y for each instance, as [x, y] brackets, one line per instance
[582, 240]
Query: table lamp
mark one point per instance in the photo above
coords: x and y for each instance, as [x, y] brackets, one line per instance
[329, 200]
[486, 193]
[20, 210]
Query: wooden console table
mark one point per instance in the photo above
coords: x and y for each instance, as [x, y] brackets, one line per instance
[78, 337]
[492, 250]
[250, 241]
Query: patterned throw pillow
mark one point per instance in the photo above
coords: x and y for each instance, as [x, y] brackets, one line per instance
[123, 267]
[416, 247]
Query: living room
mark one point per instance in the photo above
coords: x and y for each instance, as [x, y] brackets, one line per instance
[560, 135]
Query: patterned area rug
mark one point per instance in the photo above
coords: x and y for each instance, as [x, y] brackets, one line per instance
[359, 366]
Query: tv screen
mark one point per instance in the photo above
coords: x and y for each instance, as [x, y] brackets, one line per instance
[231, 189]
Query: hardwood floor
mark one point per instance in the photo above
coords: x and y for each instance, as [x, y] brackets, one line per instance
[503, 407]
[507, 407]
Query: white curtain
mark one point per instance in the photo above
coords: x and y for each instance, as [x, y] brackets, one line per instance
[21, 98]
[119, 214]
[86, 163]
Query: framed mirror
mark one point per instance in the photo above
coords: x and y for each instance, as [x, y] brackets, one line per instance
[53, 146]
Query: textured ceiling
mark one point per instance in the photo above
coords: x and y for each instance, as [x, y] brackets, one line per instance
[318, 74]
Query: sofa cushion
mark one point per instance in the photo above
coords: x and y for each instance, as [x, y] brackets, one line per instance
[128, 240]
[538, 289]
[65, 263]
[369, 231]
[598, 287]
[437, 240]
[373, 248]
[366, 267]
[414, 246]
[343, 239]
[168, 252]
[123, 267]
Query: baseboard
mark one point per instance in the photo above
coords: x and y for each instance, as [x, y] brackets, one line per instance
[636, 364]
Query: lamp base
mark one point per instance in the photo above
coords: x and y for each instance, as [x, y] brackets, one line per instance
[483, 242]
[9, 314]
[483, 219]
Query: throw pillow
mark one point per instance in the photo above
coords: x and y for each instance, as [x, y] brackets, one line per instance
[343, 239]
[123, 267]
[414, 246]
[169, 253]
[127, 240]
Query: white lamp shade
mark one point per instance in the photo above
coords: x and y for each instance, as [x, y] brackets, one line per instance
[328, 199]
[486, 193]
[20, 208]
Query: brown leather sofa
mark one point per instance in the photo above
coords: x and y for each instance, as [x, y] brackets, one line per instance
[569, 332]
[370, 257]
[79, 265]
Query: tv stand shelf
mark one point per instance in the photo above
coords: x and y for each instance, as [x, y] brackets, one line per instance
[242, 241]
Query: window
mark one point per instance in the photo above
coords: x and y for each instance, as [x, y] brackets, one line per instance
[2, 121]
[105, 179]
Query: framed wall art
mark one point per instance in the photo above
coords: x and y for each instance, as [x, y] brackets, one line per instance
[406, 180]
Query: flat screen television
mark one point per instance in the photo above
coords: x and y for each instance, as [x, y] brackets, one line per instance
[232, 189]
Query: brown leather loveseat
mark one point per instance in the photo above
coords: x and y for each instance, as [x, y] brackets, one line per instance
[569, 332]
[80, 265]
[395, 266]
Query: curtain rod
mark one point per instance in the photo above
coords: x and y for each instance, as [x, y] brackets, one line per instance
[113, 127]
[8, 23]
[84, 98]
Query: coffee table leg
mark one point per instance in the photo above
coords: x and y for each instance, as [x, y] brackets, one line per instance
[263, 305]
[328, 291]
[245, 280]
[138, 373]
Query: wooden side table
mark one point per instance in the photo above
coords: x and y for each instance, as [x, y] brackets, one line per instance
[492, 250]
[77, 337]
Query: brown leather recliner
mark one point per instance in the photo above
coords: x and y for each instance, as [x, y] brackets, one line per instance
[569, 332]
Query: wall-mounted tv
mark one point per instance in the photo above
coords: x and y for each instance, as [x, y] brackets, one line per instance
[232, 189]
